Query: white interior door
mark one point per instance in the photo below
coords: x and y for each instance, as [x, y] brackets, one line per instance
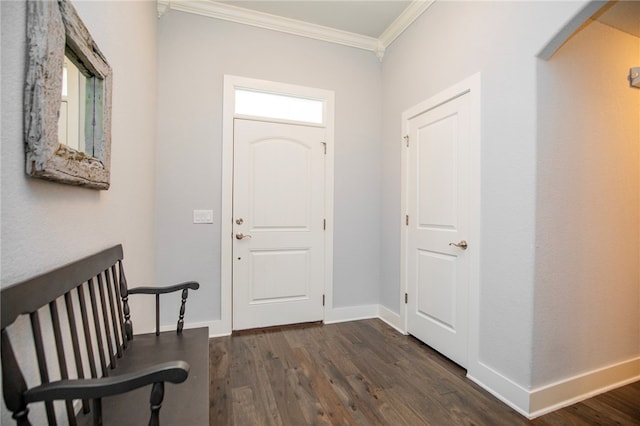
[438, 246]
[278, 214]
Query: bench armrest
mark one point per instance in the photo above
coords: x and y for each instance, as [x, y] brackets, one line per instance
[157, 291]
[96, 389]
[174, 372]
[191, 285]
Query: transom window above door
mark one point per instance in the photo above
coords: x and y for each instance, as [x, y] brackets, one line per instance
[278, 106]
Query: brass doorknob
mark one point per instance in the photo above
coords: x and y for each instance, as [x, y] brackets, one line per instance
[462, 244]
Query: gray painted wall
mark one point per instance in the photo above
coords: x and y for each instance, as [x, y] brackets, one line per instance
[194, 53]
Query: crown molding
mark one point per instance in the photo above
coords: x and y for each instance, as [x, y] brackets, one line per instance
[254, 18]
[402, 22]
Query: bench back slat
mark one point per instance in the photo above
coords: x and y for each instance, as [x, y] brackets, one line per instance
[87, 332]
[62, 361]
[75, 343]
[116, 287]
[106, 322]
[124, 294]
[114, 318]
[96, 323]
[42, 361]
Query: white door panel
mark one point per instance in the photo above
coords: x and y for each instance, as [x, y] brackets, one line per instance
[436, 302]
[436, 179]
[438, 186]
[274, 187]
[278, 270]
[279, 276]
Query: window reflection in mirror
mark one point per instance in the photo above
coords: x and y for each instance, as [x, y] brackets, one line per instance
[72, 122]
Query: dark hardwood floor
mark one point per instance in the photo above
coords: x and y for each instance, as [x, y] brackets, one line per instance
[366, 373]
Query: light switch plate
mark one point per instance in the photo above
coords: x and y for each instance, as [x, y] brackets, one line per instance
[634, 77]
[203, 216]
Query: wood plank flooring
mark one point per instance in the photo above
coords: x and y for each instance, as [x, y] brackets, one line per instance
[366, 373]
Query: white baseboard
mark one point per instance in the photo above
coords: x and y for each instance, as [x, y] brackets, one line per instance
[391, 318]
[500, 386]
[578, 388]
[546, 399]
[219, 328]
[350, 313]
[216, 327]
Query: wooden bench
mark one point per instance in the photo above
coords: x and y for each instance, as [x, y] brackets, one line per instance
[91, 351]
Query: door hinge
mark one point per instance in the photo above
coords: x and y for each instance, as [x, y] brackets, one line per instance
[406, 298]
[406, 140]
[324, 144]
[323, 300]
[406, 220]
[324, 224]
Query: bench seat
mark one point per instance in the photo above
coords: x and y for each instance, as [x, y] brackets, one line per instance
[183, 404]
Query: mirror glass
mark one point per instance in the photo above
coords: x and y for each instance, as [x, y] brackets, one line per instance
[72, 122]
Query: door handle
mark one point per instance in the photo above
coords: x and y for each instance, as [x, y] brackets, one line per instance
[462, 244]
[241, 236]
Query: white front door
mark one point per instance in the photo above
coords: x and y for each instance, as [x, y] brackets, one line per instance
[438, 244]
[278, 229]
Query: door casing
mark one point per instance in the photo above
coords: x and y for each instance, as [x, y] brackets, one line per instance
[224, 325]
[468, 87]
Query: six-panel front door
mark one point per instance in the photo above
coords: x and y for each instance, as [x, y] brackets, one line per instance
[278, 208]
[438, 185]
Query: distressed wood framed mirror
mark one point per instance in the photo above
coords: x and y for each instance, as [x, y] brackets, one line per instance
[67, 98]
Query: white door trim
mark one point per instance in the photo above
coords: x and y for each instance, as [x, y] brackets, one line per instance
[226, 219]
[468, 87]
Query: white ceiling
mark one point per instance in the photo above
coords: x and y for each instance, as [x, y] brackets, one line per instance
[368, 18]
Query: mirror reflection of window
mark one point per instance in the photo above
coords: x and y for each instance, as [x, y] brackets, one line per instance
[71, 122]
